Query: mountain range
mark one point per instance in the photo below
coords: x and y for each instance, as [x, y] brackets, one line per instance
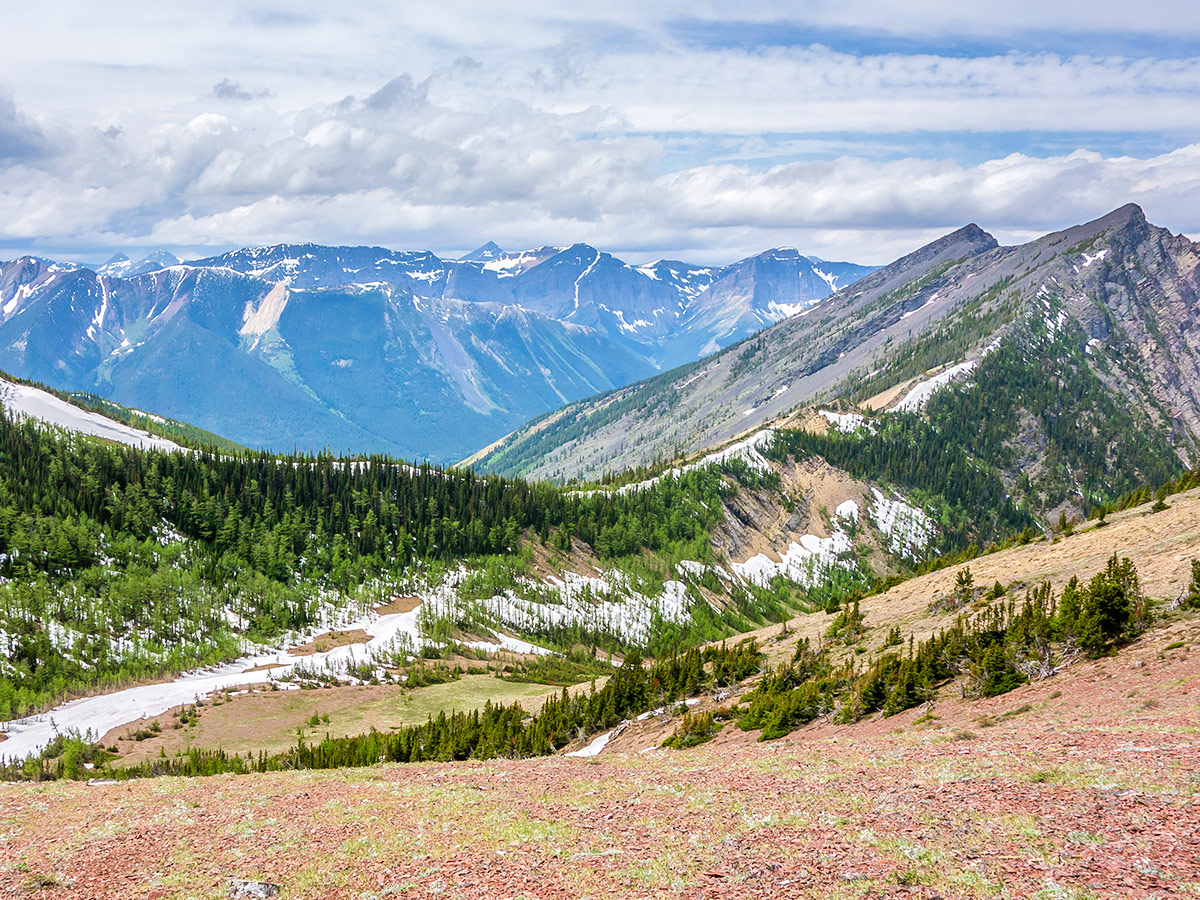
[373, 350]
[1074, 363]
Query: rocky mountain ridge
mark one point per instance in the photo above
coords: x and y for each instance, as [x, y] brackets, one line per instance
[1102, 315]
[372, 350]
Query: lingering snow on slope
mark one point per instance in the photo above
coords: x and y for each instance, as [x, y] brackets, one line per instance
[584, 274]
[847, 510]
[506, 642]
[745, 450]
[107, 711]
[1089, 258]
[622, 325]
[607, 604]
[805, 562]
[509, 265]
[21, 399]
[777, 311]
[846, 423]
[594, 748]
[828, 278]
[908, 529]
[928, 302]
[920, 393]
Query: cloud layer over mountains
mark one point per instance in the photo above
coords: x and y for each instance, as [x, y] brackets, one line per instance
[682, 134]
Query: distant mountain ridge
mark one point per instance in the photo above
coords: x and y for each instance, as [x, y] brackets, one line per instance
[374, 350]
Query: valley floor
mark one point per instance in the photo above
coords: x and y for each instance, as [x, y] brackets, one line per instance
[1083, 785]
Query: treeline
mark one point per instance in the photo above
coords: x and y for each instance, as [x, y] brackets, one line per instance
[998, 648]
[1033, 390]
[494, 731]
[1143, 493]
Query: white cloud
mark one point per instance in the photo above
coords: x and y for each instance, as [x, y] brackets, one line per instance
[442, 126]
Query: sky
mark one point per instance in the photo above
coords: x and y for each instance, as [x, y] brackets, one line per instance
[852, 130]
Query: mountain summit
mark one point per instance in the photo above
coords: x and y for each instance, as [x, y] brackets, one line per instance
[490, 250]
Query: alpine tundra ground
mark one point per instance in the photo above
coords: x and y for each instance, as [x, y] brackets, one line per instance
[1083, 785]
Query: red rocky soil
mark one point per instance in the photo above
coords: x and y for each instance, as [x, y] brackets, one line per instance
[1083, 785]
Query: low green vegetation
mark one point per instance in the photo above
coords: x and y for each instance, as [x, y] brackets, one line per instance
[993, 650]
[695, 729]
[574, 668]
[496, 730]
[120, 564]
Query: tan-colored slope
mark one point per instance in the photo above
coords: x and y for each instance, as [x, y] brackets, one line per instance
[1160, 544]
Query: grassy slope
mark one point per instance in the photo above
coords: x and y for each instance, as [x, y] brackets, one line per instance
[1051, 793]
[1160, 544]
[267, 720]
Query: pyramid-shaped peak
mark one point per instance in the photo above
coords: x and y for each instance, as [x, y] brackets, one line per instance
[490, 250]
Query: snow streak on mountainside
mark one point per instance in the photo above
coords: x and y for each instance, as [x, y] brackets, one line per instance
[1112, 303]
[25, 400]
[367, 349]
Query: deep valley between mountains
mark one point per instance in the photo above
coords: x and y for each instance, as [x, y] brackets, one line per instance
[781, 579]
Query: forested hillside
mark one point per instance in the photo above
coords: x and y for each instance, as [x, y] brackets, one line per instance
[123, 564]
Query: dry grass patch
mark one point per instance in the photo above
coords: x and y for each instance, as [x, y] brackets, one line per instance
[330, 640]
[271, 721]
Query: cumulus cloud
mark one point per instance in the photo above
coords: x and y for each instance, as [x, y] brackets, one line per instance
[20, 139]
[541, 124]
[398, 169]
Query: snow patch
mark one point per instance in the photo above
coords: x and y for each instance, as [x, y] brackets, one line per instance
[908, 529]
[846, 423]
[920, 393]
[828, 278]
[505, 642]
[21, 399]
[928, 302]
[783, 310]
[594, 748]
[805, 562]
[847, 510]
[746, 450]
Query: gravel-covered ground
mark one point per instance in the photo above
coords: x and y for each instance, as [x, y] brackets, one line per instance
[1084, 785]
